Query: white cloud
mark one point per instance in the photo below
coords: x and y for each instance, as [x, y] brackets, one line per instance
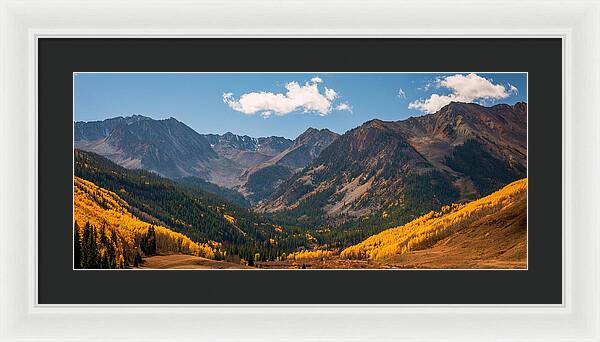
[464, 88]
[401, 93]
[307, 98]
[344, 106]
[330, 94]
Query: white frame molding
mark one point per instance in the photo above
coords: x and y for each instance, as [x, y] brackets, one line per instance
[577, 23]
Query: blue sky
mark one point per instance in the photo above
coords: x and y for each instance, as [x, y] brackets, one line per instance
[285, 104]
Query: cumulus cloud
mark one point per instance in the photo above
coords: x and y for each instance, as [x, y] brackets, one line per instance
[307, 97]
[401, 93]
[330, 94]
[464, 88]
[344, 106]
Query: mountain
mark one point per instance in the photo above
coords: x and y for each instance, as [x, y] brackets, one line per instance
[261, 180]
[304, 149]
[486, 144]
[490, 232]
[174, 150]
[247, 151]
[399, 170]
[167, 147]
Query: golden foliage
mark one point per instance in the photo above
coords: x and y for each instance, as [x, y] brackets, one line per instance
[433, 226]
[278, 228]
[229, 218]
[316, 254]
[105, 209]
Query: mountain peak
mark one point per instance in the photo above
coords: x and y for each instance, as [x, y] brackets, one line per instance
[522, 106]
[311, 130]
[138, 117]
[312, 133]
[129, 119]
[374, 123]
[457, 105]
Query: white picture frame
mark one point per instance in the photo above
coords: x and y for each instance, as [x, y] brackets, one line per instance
[577, 23]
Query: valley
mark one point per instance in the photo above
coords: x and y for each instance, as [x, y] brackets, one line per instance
[442, 190]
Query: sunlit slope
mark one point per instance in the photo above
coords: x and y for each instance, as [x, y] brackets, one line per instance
[106, 210]
[462, 235]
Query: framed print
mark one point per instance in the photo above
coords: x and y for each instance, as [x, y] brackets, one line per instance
[261, 175]
[223, 169]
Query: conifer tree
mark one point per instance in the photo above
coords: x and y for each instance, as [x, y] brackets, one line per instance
[85, 255]
[111, 250]
[76, 246]
[92, 247]
[151, 236]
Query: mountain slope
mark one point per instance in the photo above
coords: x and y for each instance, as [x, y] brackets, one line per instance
[305, 148]
[174, 150]
[261, 180]
[365, 168]
[247, 151]
[487, 145]
[402, 169]
[189, 210]
[106, 211]
[488, 232]
[232, 196]
[167, 147]
[192, 212]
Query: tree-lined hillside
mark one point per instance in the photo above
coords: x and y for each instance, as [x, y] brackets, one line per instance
[187, 209]
[194, 213]
[492, 227]
[110, 236]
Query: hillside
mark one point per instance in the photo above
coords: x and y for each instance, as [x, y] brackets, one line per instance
[262, 179]
[247, 151]
[113, 225]
[167, 147]
[199, 184]
[395, 171]
[197, 214]
[488, 232]
[189, 210]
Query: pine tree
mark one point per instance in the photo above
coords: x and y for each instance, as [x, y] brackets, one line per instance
[137, 260]
[92, 248]
[85, 255]
[76, 247]
[111, 250]
[104, 263]
[151, 241]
